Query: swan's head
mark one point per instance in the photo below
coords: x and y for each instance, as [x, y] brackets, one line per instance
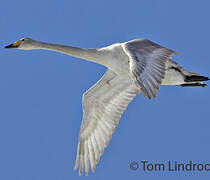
[24, 44]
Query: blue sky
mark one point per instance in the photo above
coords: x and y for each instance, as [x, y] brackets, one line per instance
[40, 91]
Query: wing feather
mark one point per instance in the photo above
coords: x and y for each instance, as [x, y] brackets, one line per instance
[147, 64]
[103, 105]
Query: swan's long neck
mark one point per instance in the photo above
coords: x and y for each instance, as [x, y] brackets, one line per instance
[88, 54]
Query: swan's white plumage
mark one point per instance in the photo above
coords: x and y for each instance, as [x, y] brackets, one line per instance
[147, 64]
[103, 105]
[136, 66]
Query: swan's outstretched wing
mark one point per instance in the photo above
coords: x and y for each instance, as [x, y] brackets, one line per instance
[103, 105]
[147, 64]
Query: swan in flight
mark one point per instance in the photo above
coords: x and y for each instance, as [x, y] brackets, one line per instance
[133, 67]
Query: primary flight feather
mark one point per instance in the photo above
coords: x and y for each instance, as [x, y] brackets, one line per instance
[133, 67]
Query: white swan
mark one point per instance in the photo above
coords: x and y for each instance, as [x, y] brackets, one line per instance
[136, 66]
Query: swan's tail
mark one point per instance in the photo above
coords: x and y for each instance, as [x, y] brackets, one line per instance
[176, 75]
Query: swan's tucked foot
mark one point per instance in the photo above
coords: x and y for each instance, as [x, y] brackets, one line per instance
[195, 78]
[193, 84]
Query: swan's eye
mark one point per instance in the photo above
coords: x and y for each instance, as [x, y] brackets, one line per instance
[23, 39]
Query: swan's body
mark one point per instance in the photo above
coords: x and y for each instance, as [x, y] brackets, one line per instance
[137, 66]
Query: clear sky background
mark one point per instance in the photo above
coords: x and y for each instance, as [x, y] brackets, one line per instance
[41, 92]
